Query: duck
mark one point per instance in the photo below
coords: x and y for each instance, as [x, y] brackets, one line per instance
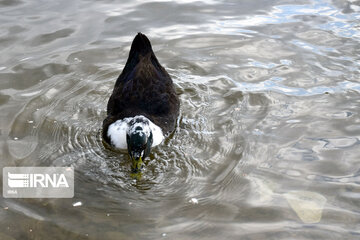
[143, 108]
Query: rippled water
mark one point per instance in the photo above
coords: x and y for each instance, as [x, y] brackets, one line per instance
[267, 144]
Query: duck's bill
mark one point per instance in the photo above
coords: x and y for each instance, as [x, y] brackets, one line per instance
[136, 164]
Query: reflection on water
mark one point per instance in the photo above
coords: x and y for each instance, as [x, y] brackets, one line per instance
[266, 145]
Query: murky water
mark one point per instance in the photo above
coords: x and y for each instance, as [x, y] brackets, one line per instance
[267, 144]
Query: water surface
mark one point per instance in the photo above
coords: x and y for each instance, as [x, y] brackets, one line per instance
[266, 146]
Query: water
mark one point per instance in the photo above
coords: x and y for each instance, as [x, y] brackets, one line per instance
[267, 144]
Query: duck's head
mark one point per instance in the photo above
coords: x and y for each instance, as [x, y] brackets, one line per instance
[139, 139]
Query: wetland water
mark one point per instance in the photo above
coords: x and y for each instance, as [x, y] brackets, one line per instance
[267, 144]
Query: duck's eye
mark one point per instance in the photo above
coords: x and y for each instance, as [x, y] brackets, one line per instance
[138, 128]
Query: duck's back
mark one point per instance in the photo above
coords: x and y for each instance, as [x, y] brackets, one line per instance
[144, 88]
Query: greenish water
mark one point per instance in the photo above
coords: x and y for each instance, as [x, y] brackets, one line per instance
[267, 144]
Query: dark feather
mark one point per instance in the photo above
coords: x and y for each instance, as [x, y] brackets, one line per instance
[143, 88]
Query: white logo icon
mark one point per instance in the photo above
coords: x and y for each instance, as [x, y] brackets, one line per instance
[18, 180]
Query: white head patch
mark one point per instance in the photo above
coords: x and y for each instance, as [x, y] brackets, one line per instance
[118, 130]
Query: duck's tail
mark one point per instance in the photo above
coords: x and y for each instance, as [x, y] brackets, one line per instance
[140, 45]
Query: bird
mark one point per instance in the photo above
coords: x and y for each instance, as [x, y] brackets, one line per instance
[143, 107]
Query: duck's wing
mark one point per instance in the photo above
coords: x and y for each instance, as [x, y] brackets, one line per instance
[144, 87]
